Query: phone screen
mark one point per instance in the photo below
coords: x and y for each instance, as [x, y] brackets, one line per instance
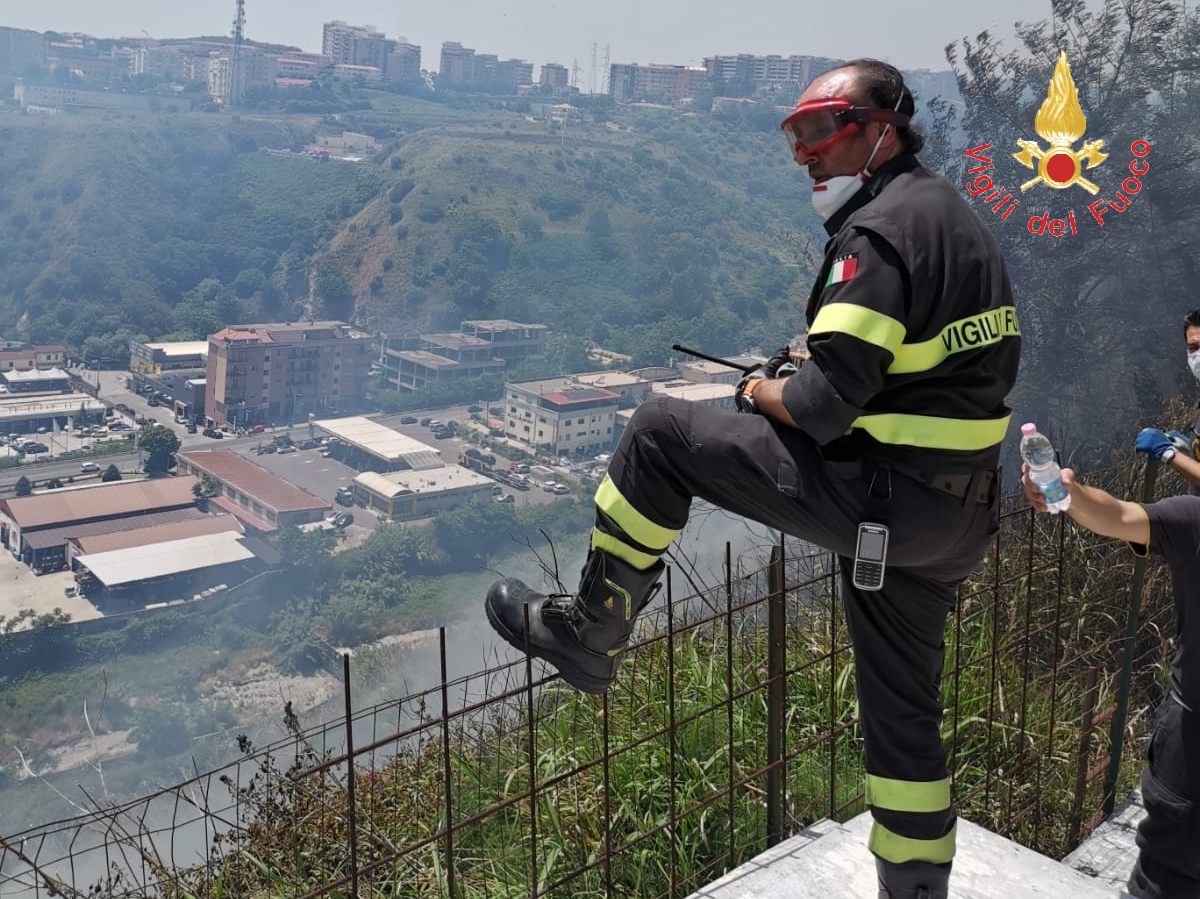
[870, 545]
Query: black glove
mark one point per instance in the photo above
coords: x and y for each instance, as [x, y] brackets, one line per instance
[780, 364]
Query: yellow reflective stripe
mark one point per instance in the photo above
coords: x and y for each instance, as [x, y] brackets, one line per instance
[640, 528]
[908, 795]
[861, 322]
[957, 337]
[933, 433]
[891, 847]
[623, 551]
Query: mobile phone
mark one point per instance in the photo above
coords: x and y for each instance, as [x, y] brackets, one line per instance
[870, 556]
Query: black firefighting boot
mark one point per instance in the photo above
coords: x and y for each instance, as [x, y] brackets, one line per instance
[582, 636]
[912, 880]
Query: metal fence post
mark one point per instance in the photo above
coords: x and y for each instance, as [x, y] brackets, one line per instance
[352, 824]
[1117, 730]
[776, 694]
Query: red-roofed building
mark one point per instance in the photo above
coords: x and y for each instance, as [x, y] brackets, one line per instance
[560, 416]
[277, 374]
[260, 499]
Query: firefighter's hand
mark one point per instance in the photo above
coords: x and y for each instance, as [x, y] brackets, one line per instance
[779, 365]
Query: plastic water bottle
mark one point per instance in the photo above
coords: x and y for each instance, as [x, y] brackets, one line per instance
[1037, 450]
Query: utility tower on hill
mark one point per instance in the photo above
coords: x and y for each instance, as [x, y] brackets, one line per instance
[235, 67]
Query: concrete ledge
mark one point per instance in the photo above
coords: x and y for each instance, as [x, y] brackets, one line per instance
[1109, 851]
[831, 860]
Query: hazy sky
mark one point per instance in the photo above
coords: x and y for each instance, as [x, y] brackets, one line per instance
[910, 35]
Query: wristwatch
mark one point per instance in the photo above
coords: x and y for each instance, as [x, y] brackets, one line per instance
[1168, 455]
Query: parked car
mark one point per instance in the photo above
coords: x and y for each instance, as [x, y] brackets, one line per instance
[474, 408]
[506, 498]
[344, 496]
[408, 420]
[425, 422]
[308, 444]
[286, 448]
[255, 429]
[343, 519]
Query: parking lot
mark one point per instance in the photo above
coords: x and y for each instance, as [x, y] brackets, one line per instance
[21, 589]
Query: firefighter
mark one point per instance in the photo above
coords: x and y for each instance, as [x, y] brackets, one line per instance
[1168, 863]
[895, 418]
[1176, 449]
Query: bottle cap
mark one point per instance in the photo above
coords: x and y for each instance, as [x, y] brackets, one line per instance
[1028, 428]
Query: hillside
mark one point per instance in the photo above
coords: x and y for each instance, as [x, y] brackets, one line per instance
[633, 233]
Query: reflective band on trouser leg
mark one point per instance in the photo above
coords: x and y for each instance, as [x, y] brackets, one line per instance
[913, 798]
[891, 847]
[645, 541]
[623, 551]
[908, 795]
[930, 432]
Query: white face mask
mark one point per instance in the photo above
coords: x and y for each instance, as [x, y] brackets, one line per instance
[1194, 363]
[832, 194]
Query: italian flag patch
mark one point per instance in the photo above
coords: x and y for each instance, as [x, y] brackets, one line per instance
[843, 270]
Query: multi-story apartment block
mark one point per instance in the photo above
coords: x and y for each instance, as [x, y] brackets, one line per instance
[83, 57]
[559, 415]
[354, 45]
[279, 373]
[752, 72]
[512, 76]
[555, 77]
[21, 51]
[457, 65]
[403, 62]
[662, 84]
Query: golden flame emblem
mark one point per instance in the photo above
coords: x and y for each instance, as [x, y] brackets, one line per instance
[1060, 121]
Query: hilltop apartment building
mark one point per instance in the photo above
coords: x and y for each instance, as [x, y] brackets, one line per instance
[279, 373]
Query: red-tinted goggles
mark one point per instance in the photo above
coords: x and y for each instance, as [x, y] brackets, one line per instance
[819, 124]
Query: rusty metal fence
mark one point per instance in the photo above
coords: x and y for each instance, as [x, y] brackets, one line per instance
[732, 726]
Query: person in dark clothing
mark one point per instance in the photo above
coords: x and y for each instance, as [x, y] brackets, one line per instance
[1168, 838]
[1176, 449]
[894, 415]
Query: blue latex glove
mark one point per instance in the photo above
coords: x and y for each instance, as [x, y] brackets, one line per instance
[1181, 442]
[1154, 443]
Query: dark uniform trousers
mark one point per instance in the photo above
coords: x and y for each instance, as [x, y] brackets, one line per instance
[1168, 865]
[674, 450]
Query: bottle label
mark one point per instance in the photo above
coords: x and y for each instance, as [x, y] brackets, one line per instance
[1054, 491]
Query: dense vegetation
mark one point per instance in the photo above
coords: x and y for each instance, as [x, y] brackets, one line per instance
[151, 672]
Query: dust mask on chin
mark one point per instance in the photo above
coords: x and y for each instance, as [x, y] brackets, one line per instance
[1194, 363]
[832, 194]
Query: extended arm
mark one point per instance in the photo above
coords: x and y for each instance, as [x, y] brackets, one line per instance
[1095, 509]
